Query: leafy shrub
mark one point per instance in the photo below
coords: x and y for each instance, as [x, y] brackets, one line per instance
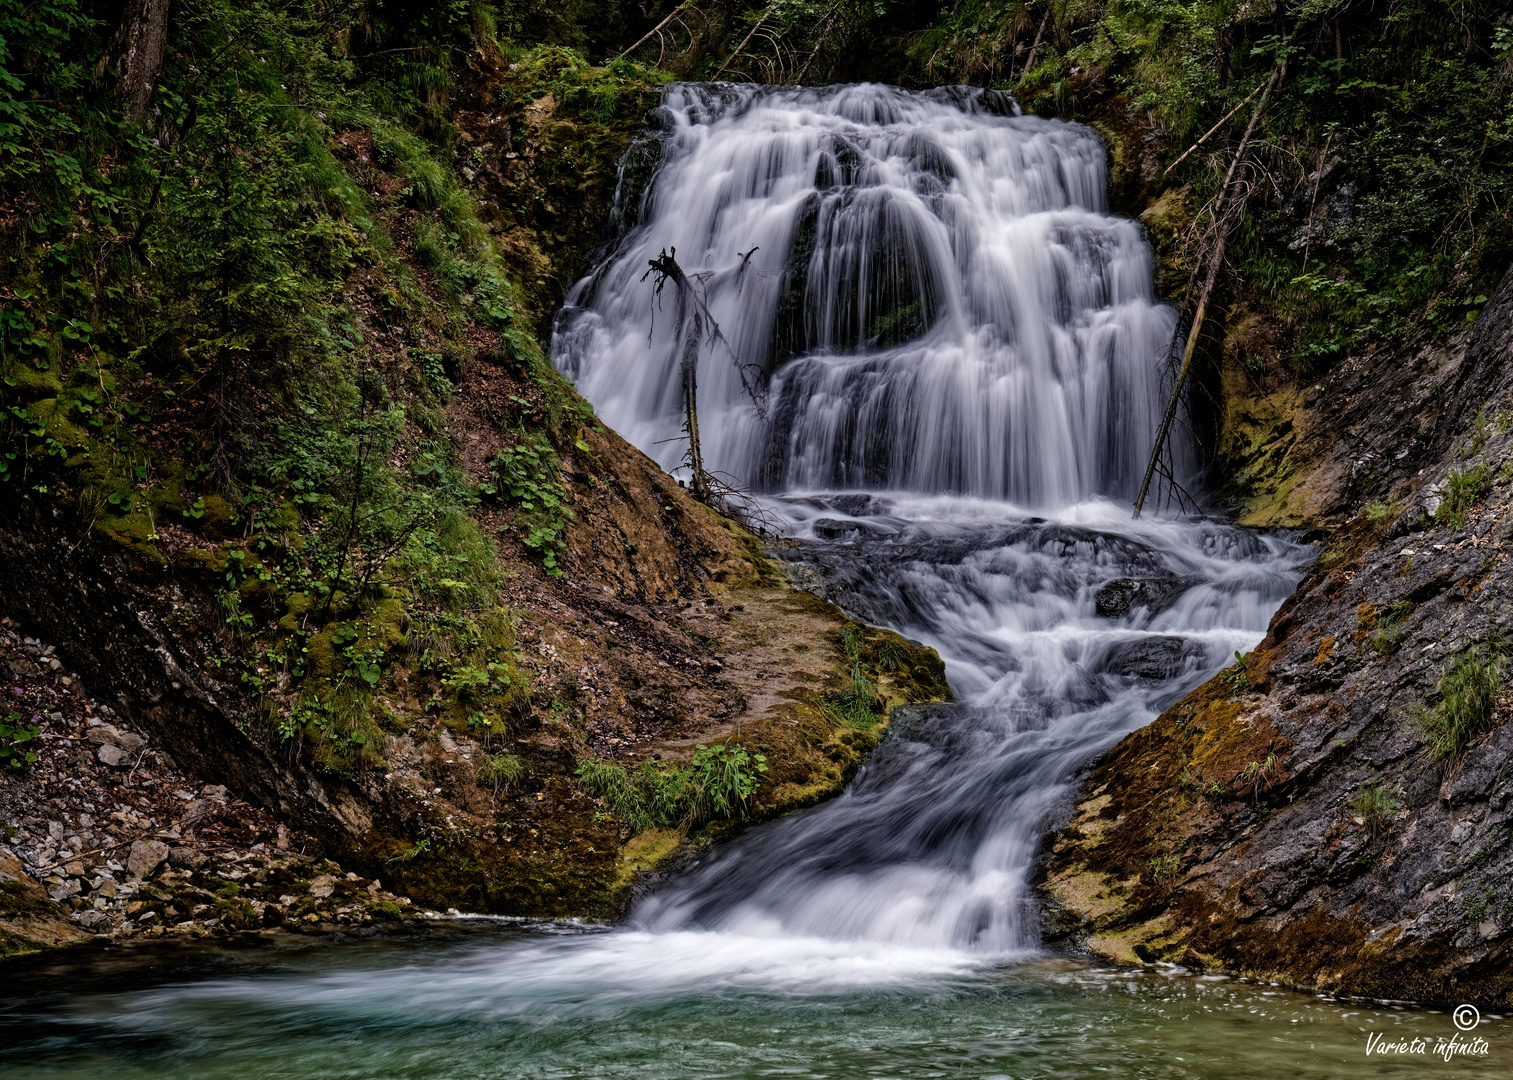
[1468, 693]
[525, 474]
[726, 776]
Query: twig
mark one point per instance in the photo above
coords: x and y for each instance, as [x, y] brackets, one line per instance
[96, 851]
[1211, 130]
[731, 58]
[1314, 202]
[647, 36]
[819, 40]
[1224, 223]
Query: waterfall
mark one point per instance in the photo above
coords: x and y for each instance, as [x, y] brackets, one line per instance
[953, 332]
[930, 282]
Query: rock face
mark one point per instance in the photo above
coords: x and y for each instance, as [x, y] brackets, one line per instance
[1291, 818]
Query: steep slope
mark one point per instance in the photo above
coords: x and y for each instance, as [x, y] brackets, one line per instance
[1306, 816]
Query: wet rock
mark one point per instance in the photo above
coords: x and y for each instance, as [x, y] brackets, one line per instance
[1156, 658]
[1122, 595]
[835, 529]
[146, 857]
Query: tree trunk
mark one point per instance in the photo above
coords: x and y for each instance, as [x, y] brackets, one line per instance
[138, 52]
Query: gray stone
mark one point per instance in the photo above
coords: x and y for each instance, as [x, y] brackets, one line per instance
[146, 857]
[186, 857]
[323, 886]
[1122, 595]
[114, 756]
[109, 734]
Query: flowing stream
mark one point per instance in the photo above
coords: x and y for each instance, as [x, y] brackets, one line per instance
[940, 365]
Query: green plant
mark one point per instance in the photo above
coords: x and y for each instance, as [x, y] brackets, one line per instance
[1468, 691]
[1256, 773]
[1236, 675]
[890, 656]
[1388, 635]
[1374, 804]
[14, 736]
[502, 771]
[525, 474]
[1380, 511]
[1165, 867]
[419, 848]
[1463, 489]
[718, 784]
[727, 776]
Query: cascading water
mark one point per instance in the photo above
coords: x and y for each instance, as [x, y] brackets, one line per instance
[930, 282]
[954, 331]
[964, 363]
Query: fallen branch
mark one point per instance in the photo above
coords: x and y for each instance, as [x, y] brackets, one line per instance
[674, 13]
[695, 324]
[744, 41]
[1225, 222]
[1186, 153]
[1039, 36]
[819, 40]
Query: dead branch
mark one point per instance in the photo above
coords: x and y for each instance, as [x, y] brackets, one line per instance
[1225, 222]
[695, 325]
[819, 39]
[655, 29]
[744, 41]
[1211, 130]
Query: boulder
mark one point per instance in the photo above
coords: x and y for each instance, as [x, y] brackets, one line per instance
[146, 857]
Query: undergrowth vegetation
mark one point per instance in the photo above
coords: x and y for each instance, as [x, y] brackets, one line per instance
[229, 329]
[716, 785]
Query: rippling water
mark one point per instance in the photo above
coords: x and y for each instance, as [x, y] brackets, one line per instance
[503, 1002]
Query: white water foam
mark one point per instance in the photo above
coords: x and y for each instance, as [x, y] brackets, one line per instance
[936, 291]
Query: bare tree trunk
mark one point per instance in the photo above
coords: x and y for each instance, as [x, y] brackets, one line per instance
[138, 49]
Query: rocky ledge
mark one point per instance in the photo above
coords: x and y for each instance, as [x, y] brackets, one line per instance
[1334, 812]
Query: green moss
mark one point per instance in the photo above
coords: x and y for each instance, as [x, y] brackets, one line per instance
[33, 382]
